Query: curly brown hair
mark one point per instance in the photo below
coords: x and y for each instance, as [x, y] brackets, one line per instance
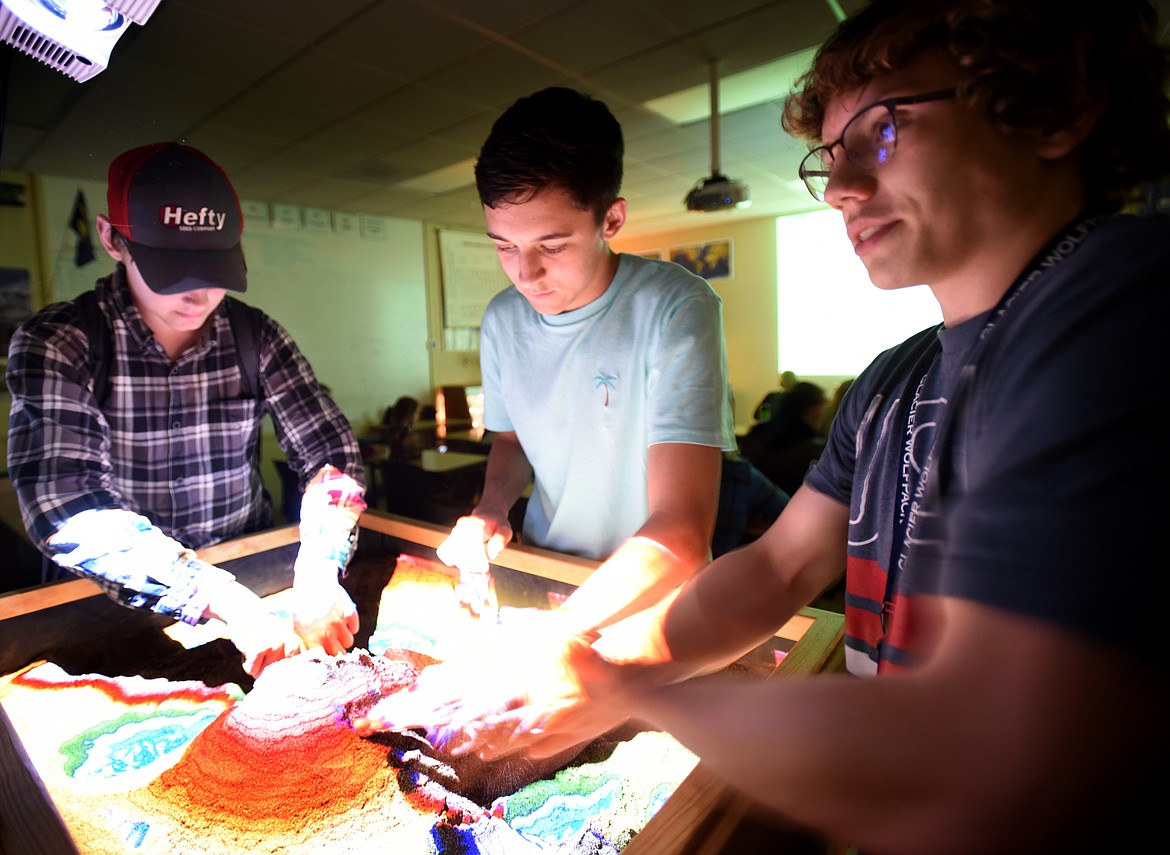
[1028, 65]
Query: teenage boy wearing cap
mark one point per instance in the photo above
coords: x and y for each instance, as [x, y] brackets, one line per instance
[124, 489]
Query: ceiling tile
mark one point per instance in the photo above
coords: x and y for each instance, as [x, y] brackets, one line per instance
[420, 108]
[336, 104]
[404, 39]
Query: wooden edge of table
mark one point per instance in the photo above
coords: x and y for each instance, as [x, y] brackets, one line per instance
[29, 821]
[569, 569]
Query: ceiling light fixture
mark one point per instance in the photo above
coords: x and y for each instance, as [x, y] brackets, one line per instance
[73, 36]
[717, 192]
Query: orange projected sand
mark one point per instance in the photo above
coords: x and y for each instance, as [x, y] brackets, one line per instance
[283, 768]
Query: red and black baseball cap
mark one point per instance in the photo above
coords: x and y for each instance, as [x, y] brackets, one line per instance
[181, 217]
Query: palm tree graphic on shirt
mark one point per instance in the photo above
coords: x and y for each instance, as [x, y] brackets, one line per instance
[609, 381]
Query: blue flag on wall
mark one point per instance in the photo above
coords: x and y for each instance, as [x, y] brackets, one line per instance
[79, 222]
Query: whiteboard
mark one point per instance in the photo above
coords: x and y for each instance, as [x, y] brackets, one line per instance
[471, 276]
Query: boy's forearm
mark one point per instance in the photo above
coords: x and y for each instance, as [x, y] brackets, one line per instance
[508, 474]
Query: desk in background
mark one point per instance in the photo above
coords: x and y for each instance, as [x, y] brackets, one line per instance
[438, 487]
[470, 440]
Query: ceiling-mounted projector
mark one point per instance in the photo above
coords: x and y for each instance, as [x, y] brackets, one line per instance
[718, 193]
[73, 36]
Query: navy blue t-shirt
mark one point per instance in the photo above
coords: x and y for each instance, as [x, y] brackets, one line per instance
[1042, 497]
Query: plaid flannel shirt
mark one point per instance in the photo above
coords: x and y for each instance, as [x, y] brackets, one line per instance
[177, 441]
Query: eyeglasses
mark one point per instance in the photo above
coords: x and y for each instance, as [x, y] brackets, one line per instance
[868, 140]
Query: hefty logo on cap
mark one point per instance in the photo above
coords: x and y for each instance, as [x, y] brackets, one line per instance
[169, 196]
[204, 220]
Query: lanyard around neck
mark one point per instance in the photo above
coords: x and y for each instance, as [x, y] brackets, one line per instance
[911, 489]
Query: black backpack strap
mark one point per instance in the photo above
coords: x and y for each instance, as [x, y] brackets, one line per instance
[246, 322]
[101, 342]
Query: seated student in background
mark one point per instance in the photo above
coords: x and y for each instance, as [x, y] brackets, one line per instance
[833, 406]
[123, 490]
[997, 523]
[748, 504]
[770, 402]
[784, 447]
[398, 424]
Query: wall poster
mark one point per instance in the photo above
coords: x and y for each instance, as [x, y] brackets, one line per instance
[471, 276]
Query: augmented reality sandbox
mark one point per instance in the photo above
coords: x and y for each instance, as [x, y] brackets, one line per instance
[114, 738]
[155, 765]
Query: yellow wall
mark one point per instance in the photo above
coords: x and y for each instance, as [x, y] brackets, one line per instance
[18, 248]
[19, 245]
[749, 299]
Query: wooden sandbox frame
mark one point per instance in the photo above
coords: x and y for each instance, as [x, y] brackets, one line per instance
[704, 816]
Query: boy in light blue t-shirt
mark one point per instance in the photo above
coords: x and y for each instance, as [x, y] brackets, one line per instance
[604, 375]
[605, 381]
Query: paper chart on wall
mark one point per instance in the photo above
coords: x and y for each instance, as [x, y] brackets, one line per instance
[471, 277]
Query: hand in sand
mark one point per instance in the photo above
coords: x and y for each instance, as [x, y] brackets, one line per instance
[520, 697]
[445, 697]
[538, 728]
[324, 616]
[472, 544]
[262, 639]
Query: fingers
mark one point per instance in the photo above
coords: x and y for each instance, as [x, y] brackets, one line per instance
[477, 591]
[473, 542]
[407, 709]
[263, 638]
[491, 741]
[256, 660]
[372, 722]
[253, 664]
[464, 547]
[329, 624]
[493, 736]
[334, 638]
[455, 740]
[496, 543]
[389, 713]
[401, 711]
[341, 637]
[369, 724]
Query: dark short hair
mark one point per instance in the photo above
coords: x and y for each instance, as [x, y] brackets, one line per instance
[557, 137]
[1028, 66]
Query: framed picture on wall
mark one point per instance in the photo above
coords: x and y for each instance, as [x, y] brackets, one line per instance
[652, 254]
[711, 260]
